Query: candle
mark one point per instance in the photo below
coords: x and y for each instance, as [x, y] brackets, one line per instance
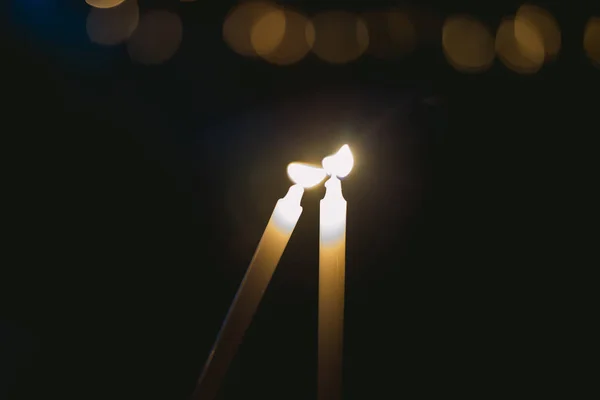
[270, 248]
[332, 266]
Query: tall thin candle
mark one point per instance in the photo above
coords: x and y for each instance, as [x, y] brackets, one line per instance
[332, 270]
[270, 249]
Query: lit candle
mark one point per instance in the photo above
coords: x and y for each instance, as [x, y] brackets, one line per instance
[270, 248]
[332, 266]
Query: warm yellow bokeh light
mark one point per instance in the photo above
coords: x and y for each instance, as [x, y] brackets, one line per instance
[104, 3]
[428, 25]
[340, 36]
[310, 34]
[306, 175]
[239, 24]
[591, 40]
[380, 44]
[391, 33]
[402, 31]
[538, 18]
[157, 37]
[339, 164]
[468, 45]
[517, 57]
[268, 31]
[111, 26]
[297, 41]
[362, 35]
[529, 39]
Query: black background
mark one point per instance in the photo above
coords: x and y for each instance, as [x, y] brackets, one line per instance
[135, 196]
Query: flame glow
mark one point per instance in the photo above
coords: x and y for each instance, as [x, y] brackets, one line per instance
[305, 175]
[340, 164]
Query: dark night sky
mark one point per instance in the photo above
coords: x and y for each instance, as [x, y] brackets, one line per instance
[136, 196]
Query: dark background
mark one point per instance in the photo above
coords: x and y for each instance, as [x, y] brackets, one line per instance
[135, 196]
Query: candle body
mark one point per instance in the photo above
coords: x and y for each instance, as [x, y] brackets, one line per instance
[332, 266]
[251, 290]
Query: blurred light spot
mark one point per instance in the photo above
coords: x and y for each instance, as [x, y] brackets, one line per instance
[591, 40]
[310, 34]
[468, 45]
[529, 39]
[544, 23]
[157, 37]
[428, 26]
[239, 24]
[521, 58]
[402, 31]
[110, 26]
[380, 43]
[340, 36]
[104, 3]
[297, 41]
[391, 33]
[268, 31]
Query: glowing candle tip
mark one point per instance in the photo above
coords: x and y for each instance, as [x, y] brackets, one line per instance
[294, 194]
[333, 188]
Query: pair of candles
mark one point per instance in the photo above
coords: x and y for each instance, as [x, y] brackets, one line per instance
[332, 261]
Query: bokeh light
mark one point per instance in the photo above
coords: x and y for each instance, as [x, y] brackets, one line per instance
[104, 3]
[402, 31]
[111, 26]
[467, 43]
[428, 24]
[591, 40]
[537, 18]
[340, 36]
[157, 37]
[268, 31]
[515, 54]
[239, 24]
[391, 33]
[297, 41]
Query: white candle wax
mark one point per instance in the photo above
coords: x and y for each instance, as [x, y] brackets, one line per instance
[268, 253]
[332, 270]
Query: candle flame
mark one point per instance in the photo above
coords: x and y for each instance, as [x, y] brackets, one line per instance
[305, 175]
[339, 164]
